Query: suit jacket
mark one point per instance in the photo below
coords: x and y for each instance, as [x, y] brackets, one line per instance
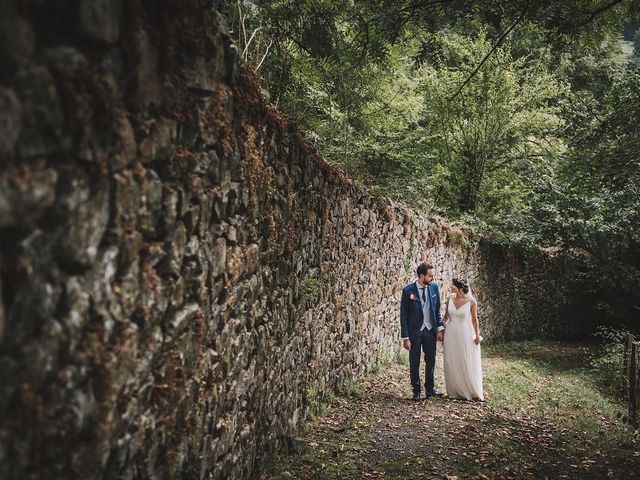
[411, 316]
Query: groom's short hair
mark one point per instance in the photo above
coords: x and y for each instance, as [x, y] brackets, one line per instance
[423, 268]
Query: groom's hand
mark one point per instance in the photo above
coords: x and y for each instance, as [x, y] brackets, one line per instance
[407, 344]
[440, 335]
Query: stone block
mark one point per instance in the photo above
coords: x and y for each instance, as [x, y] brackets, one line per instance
[219, 257]
[153, 299]
[200, 73]
[76, 306]
[33, 274]
[177, 292]
[101, 19]
[131, 243]
[151, 200]
[159, 139]
[26, 193]
[2, 314]
[40, 354]
[126, 201]
[147, 87]
[123, 148]
[175, 246]
[83, 209]
[10, 121]
[17, 41]
[42, 116]
[128, 289]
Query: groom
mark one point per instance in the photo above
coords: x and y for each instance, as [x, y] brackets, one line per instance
[421, 326]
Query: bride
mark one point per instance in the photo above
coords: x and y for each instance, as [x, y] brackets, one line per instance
[462, 364]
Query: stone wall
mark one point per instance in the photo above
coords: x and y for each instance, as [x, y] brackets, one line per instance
[180, 272]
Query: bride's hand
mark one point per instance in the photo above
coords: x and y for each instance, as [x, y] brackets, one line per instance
[478, 339]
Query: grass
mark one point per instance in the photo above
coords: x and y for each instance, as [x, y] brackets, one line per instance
[556, 383]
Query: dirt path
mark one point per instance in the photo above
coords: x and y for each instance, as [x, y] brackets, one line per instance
[381, 433]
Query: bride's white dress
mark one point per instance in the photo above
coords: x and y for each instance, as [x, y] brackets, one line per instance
[462, 361]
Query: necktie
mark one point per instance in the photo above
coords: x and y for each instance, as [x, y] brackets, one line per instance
[424, 298]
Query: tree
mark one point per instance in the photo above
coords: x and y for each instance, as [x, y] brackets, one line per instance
[498, 128]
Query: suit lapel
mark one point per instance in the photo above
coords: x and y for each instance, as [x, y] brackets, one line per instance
[416, 292]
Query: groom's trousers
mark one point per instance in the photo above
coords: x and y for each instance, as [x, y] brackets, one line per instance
[423, 341]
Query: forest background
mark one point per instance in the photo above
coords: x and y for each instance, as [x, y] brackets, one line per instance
[519, 120]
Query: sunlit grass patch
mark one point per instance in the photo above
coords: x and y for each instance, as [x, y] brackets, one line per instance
[509, 383]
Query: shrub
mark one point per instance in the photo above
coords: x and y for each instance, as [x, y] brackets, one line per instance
[608, 363]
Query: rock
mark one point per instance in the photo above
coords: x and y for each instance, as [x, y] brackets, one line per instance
[41, 354]
[154, 296]
[10, 121]
[26, 194]
[127, 201]
[128, 289]
[199, 73]
[182, 318]
[205, 216]
[66, 59]
[100, 279]
[2, 314]
[83, 209]
[170, 206]
[101, 19]
[82, 405]
[151, 200]
[175, 246]
[192, 218]
[232, 62]
[33, 274]
[71, 71]
[43, 120]
[160, 139]
[147, 84]
[113, 72]
[77, 306]
[130, 245]
[218, 257]
[124, 146]
[17, 42]
[11, 376]
[178, 292]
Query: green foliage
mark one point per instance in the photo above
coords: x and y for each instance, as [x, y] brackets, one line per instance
[608, 363]
[490, 137]
[311, 288]
[317, 402]
[598, 199]
[401, 357]
[351, 389]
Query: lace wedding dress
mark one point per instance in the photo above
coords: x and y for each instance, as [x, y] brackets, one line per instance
[462, 362]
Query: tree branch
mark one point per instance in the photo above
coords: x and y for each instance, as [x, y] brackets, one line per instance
[599, 11]
[486, 57]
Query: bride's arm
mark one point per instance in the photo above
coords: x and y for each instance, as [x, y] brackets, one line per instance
[474, 320]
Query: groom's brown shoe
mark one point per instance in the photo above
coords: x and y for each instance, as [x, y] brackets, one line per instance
[434, 393]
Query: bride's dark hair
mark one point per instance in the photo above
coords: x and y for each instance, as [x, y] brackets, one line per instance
[461, 283]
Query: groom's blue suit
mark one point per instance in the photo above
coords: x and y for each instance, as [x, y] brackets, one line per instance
[411, 326]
